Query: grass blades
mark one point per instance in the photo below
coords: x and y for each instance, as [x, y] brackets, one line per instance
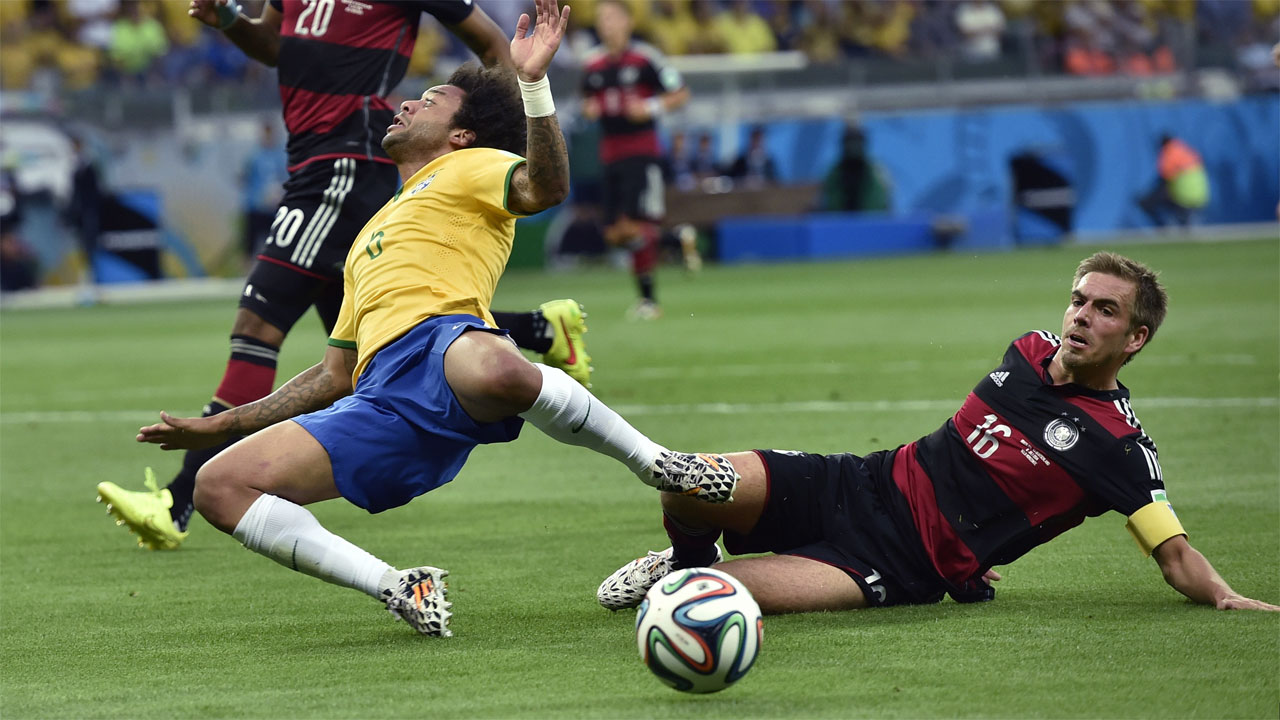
[849, 356]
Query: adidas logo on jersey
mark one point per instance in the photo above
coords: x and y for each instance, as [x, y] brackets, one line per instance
[999, 377]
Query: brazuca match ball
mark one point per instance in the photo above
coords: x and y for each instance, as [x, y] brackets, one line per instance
[699, 630]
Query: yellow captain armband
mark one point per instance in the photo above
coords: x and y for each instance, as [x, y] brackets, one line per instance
[1153, 524]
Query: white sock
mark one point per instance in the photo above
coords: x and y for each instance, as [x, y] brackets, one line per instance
[569, 413]
[291, 535]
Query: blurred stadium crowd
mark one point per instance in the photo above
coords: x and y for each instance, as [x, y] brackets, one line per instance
[56, 45]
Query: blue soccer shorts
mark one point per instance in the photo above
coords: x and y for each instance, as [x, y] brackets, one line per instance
[402, 432]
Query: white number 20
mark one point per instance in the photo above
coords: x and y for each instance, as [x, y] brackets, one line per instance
[323, 13]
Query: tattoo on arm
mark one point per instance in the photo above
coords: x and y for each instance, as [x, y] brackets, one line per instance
[312, 389]
[547, 183]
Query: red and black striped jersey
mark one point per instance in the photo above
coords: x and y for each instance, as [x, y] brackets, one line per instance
[1022, 461]
[616, 82]
[338, 61]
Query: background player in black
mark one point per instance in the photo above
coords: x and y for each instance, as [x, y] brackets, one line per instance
[336, 64]
[627, 85]
[1043, 441]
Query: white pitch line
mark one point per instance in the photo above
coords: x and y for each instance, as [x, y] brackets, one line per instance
[802, 406]
[839, 368]
[668, 373]
[825, 406]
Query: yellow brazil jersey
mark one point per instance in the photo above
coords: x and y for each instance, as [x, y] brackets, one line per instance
[437, 248]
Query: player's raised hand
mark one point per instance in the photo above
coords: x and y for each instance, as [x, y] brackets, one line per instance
[183, 433]
[532, 49]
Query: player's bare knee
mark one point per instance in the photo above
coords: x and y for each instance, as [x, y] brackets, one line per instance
[215, 488]
[515, 381]
[488, 374]
[251, 324]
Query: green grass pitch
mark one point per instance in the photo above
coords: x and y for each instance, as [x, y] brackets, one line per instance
[850, 356]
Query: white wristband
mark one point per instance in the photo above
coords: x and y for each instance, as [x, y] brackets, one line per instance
[537, 98]
[655, 106]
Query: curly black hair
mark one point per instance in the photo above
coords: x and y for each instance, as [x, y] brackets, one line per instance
[492, 108]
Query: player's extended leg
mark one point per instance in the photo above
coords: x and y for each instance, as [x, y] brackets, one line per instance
[554, 331]
[644, 264]
[645, 205]
[159, 516]
[694, 527]
[493, 381]
[779, 583]
[256, 491]
[300, 266]
[790, 583]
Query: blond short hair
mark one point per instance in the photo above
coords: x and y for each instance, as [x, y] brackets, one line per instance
[1150, 301]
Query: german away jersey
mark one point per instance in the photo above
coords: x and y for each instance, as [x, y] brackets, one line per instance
[1022, 461]
[437, 248]
[637, 75]
[338, 62]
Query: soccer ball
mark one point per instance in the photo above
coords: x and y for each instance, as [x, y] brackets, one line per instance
[699, 630]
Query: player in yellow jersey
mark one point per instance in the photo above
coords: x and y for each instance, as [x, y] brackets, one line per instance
[335, 71]
[415, 374]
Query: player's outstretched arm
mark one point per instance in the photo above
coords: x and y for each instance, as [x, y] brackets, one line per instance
[543, 181]
[1188, 572]
[484, 37]
[313, 389]
[259, 39]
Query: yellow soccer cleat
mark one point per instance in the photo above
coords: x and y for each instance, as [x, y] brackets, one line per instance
[568, 350]
[146, 513]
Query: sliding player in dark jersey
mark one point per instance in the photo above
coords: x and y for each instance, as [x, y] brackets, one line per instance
[627, 85]
[336, 64]
[1045, 440]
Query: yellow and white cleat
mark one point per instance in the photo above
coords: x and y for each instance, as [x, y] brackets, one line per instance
[568, 350]
[145, 513]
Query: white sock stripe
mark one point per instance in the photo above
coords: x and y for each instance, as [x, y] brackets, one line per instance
[254, 350]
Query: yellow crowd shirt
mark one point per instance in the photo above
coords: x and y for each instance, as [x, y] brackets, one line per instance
[437, 248]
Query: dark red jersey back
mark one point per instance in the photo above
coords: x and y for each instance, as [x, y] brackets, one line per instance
[339, 59]
[1022, 461]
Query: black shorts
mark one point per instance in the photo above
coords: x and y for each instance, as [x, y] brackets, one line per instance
[827, 508]
[325, 205]
[633, 188]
